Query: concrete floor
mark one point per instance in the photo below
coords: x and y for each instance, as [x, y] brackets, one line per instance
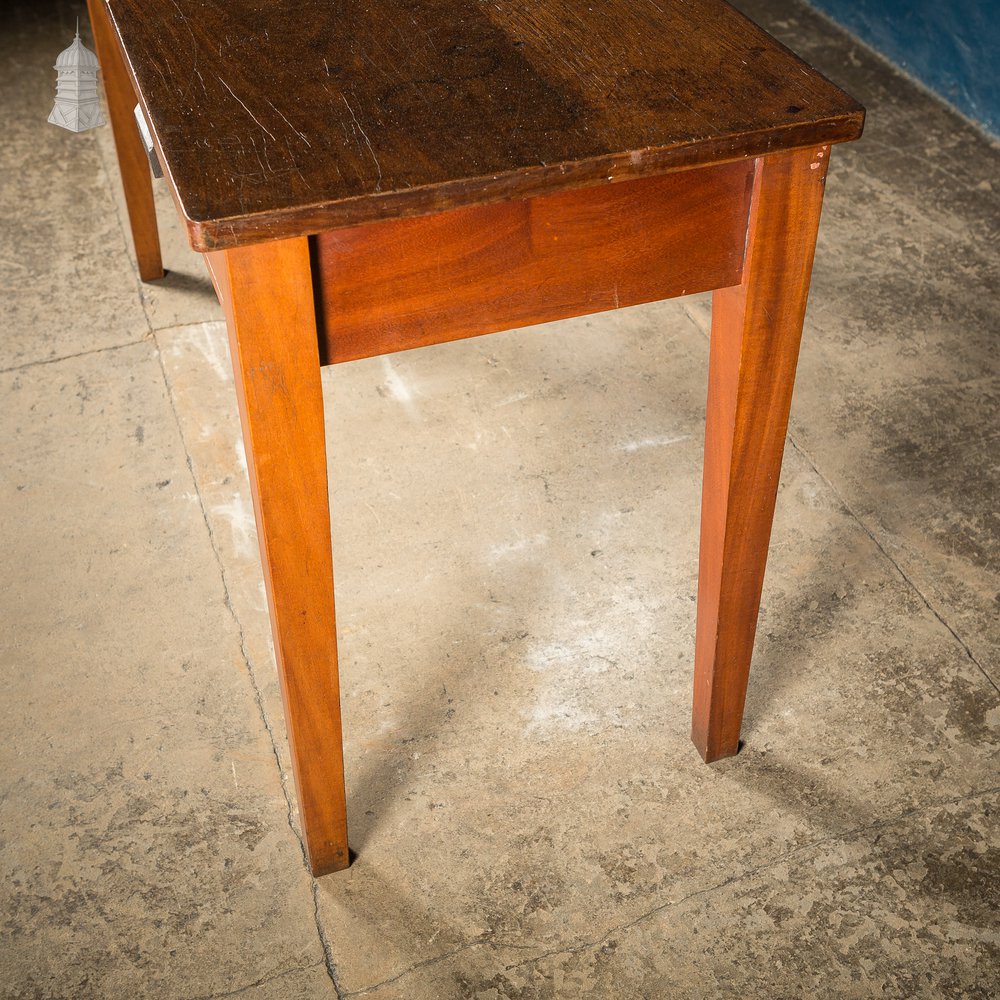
[515, 527]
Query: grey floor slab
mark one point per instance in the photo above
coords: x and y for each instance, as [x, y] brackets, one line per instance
[60, 238]
[899, 384]
[884, 910]
[144, 841]
[531, 731]
[198, 371]
[515, 542]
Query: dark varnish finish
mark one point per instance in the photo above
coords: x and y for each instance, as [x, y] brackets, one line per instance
[296, 116]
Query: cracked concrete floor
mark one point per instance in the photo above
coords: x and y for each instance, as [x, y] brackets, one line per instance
[515, 524]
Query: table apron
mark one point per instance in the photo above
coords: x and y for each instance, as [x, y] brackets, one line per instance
[394, 285]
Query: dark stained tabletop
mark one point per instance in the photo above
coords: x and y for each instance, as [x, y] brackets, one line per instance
[284, 117]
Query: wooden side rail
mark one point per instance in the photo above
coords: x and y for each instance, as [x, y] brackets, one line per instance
[391, 286]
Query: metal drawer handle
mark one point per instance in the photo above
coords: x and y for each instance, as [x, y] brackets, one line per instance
[147, 141]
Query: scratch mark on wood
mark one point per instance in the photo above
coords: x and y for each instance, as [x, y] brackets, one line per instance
[246, 109]
[291, 126]
[378, 184]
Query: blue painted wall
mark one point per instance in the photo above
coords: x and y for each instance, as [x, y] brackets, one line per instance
[952, 46]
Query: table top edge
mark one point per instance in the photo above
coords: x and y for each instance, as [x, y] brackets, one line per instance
[213, 233]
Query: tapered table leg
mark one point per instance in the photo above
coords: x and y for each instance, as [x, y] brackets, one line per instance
[132, 160]
[756, 328]
[267, 293]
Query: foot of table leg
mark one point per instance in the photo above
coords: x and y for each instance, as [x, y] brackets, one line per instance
[756, 328]
[132, 160]
[266, 291]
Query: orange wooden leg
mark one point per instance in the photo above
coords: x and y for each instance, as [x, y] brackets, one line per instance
[756, 328]
[132, 160]
[266, 291]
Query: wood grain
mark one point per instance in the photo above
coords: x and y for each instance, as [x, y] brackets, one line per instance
[756, 329]
[132, 160]
[298, 116]
[267, 295]
[391, 286]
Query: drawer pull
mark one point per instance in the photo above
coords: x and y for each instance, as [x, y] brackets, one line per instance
[147, 142]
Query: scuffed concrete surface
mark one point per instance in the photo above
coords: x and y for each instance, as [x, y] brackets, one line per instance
[898, 376]
[68, 287]
[515, 540]
[144, 839]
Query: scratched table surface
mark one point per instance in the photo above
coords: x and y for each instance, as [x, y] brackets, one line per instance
[294, 116]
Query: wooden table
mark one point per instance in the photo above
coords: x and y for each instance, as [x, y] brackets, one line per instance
[368, 177]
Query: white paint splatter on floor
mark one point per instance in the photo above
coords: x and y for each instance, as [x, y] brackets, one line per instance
[397, 388]
[209, 339]
[653, 442]
[238, 513]
[505, 549]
